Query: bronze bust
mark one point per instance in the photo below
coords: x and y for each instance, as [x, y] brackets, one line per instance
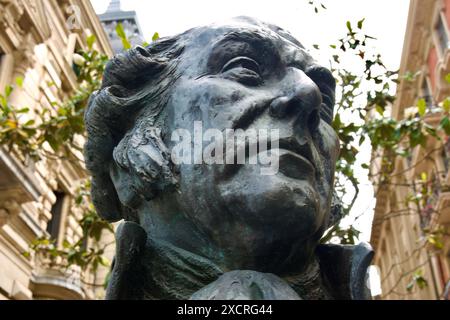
[220, 231]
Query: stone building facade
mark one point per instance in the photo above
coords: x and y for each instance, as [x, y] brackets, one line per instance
[397, 236]
[37, 41]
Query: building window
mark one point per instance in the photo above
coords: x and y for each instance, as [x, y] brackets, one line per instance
[426, 213]
[442, 34]
[54, 224]
[426, 93]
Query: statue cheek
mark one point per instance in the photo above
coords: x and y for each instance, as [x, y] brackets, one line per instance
[191, 103]
[329, 144]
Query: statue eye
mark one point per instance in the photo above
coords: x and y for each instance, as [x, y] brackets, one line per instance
[242, 62]
[244, 70]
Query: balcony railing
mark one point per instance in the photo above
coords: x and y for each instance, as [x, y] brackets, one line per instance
[53, 280]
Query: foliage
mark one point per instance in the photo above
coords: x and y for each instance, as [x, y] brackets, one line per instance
[57, 127]
[81, 253]
[29, 131]
[366, 87]
[417, 280]
[317, 5]
[122, 35]
[15, 130]
[364, 96]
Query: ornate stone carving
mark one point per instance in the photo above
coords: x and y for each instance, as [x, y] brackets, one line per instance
[9, 209]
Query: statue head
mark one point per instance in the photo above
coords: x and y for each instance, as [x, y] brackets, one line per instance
[243, 74]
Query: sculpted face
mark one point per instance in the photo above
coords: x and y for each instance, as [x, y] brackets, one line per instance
[201, 230]
[248, 75]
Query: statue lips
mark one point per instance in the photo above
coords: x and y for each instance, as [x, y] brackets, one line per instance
[295, 166]
[295, 160]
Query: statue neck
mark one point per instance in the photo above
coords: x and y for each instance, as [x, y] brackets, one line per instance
[171, 226]
[193, 272]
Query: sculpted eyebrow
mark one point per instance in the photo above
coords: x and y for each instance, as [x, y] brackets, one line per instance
[253, 44]
[250, 37]
[322, 74]
[327, 85]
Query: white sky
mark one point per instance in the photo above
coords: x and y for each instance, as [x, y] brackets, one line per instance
[384, 19]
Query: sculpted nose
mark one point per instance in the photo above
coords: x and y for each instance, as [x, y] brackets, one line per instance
[302, 101]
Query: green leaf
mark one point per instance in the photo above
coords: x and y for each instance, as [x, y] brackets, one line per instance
[410, 286]
[410, 76]
[349, 27]
[422, 106]
[104, 261]
[416, 137]
[90, 41]
[19, 81]
[3, 102]
[436, 242]
[360, 23]
[446, 105]
[66, 244]
[421, 282]
[120, 31]
[8, 90]
[417, 279]
[23, 110]
[447, 78]
[126, 44]
[379, 109]
[155, 36]
[445, 125]
[78, 199]
[107, 278]
[423, 176]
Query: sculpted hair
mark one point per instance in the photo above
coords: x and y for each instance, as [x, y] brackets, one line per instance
[134, 83]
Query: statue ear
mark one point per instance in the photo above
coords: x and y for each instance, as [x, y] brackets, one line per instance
[142, 167]
[135, 80]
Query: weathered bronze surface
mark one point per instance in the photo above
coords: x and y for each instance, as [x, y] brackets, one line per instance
[220, 231]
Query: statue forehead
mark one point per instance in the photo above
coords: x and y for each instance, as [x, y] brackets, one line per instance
[251, 25]
[202, 42]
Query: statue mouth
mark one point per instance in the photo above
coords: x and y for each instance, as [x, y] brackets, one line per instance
[302, 151]
[296, 160]
[294, 165]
